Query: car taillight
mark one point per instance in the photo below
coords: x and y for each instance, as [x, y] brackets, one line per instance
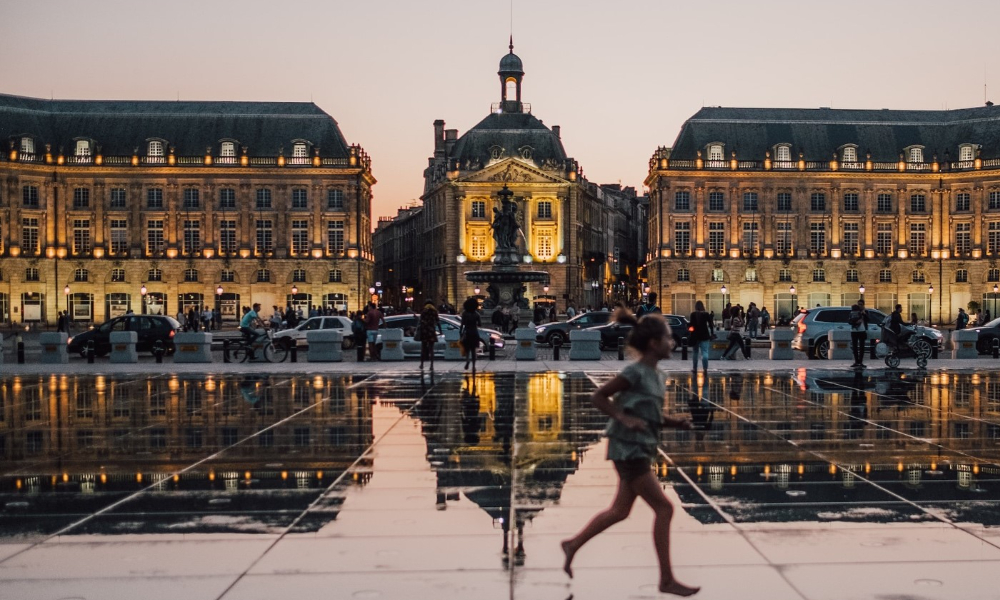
[802, 327]
[172, 332]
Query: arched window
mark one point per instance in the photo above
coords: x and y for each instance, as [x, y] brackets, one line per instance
[510, 89]
[155, 150]
[783, 153]
[916, 155]
[966, 152]
[82, 149]
[228, 149]
[850, 154]
[336, 276]
[715, 152]
[27, 145]
[81, 275]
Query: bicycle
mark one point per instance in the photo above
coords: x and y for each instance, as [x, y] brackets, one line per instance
[264, 343]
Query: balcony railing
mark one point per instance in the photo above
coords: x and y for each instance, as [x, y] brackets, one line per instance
[657, 163]
[358, 158]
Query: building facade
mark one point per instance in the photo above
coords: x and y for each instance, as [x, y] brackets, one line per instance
[564, 218]
[160, 207]
[796, 208]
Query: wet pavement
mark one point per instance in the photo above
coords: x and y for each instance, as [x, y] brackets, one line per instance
[797, 483]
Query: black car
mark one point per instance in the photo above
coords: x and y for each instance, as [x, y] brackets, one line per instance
[151, 329]
[559, 330]
[611, 331]
[987, 333]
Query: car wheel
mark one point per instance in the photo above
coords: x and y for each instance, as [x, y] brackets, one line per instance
[83, 353]
[556, 335]
[822, 349]
[348, 343]
[984, 345]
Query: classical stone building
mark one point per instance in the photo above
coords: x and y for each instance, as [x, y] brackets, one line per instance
[109, 206]
[799, 207]
[566, 220]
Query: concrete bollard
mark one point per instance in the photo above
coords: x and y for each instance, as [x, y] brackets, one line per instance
[392, 345]
[192, 347]
[123, 347]
[452, 345]
[840, 344]
[717, 347]
[781, 344]
[963, 344]
[53, 348]
[524, 344]
[326, 345]
[584, 345]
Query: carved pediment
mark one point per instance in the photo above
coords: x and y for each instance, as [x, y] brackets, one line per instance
[510, 171]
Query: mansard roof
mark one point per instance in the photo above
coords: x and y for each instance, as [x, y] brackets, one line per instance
[121, 126]
[818, 133]
[511, 132]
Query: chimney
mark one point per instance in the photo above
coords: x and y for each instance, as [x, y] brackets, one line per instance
[450, 137]
[438, 136]
[555, 130]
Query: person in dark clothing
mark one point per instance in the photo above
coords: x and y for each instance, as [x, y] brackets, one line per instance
[858, 320]
[735, 334]
[427, 330]
[468, 332]
[701, 328]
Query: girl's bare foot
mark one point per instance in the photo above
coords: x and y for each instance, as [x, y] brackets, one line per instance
[569, 552]
[678, 589]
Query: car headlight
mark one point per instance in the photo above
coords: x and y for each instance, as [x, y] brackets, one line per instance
[539, 330]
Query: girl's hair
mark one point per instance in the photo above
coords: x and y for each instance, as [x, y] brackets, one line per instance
[470, 304]
[650, 327]
[699, 306]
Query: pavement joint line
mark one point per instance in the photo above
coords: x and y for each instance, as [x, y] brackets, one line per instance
[404, 415]
[153, 484]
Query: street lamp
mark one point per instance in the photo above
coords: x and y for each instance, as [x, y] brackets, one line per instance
[218, 291]
[861, 289]
[461, 258]
[295, 290]
[142, 292]
[545, 288]
[996, 289]
[561, 258]
[476, 290]
[795, 306]
[724, 291]
[930, 292]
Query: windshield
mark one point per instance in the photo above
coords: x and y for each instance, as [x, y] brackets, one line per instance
[994, 323]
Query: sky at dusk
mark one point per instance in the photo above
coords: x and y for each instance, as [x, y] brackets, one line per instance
[619, 77]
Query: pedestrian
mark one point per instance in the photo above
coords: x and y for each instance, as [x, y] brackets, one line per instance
[649, 306]
[192, 318]
[427, 331]
[753, 320]
[858, 320]
[61, 322]
[570, 312]
[553, 315]
[358, 331]
[468, 332]
[914, 320]
[374, 318]
[636, 417]
[206, 318]
[765, 320]
[701, 328]
[735, 334]
[726, 315]
[987, 317]
[962, 320]
[182, 319]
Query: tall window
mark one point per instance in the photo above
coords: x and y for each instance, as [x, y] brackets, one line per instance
[81, 198]
[81, 237]
[335, 237]
[994, 201]
[883, 238]
[783, 239]
[263, 198]
[479, 209]
[817, 202]
[477, 247]
[918, 239]
[916, 155]
[227, 198]
[27, 145]
[850, 244]
[545, 246]
[117, 200]
[751, 239]
[29, 196]
[716, 238]
[154, 152]
[817, 238]
[265, 236]
[300, 237]
[750, 201]
[850, 154]
[683, 274]
[192, 198]
[918, 203]
[851, 202]
[963, 238]
[963, 201]
[299, 276]
[154, 198]
[154, 236]
[192, 237]
[335, 199]
[545, 210]
[300, 200]
[784, 202]
[336, 276]
[682, 200]
[227, 236]
[119, 236]
[883, 203]
[716, 201]
[682, 238]
[993, 238]
[29, 236]
[885, 276]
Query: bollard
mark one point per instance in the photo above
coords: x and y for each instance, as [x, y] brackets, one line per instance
[493, 350]
[20, 349]
[90, 352]
[225, 351]
[361, 351]
[996, 347]
[159, 351]
[871, 346]
[556, 345]
[934, 350]
[621, 348]
[293, 345]
[684, 348]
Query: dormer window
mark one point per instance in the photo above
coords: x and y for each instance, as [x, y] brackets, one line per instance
[915, 155]
[228, 150]
[715, 152]
[849, 154]
[155, 151]
[82, 149]
[783, 153]
[27, 145]
[300, 153]
[966, 152]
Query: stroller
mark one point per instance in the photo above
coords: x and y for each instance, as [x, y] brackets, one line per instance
[892, 346]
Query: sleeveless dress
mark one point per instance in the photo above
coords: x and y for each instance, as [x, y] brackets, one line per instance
[643, 399]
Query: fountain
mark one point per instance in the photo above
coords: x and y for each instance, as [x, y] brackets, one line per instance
[505, 282]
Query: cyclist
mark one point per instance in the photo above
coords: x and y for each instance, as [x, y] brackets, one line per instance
[249, 321]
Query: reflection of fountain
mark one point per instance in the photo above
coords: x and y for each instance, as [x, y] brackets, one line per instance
[505, 281]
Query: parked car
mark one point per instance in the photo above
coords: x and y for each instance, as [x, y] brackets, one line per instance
[812, 326]
[611, 331]
[298, 333]
[486, 336]
[411, 347]
[559, 330]
[151, 329]
[987, 333]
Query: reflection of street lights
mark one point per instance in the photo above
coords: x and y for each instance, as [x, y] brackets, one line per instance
[142, 292]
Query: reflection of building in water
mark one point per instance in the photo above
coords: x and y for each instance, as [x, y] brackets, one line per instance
[930, 435]
[107, 435]
[479, 430]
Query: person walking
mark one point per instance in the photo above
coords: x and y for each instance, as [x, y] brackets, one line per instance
[765, 320]
[702, 329]
[358, 331]
[427, 330]
[753, 320]
[61, 323]
[735, 334]
[649, 306]
[962, 320]
[468, 332]
[373, 320]
[858, 320]
[636, 417]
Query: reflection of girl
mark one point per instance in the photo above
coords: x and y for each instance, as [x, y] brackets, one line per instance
[469, 331]
[633, 434]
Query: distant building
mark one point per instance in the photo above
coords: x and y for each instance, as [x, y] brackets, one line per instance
[108, 206]
[799, 207]
[398, 258]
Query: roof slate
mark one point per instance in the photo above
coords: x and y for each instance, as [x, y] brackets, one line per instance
[510, 131]
[818, 133]
[191, 127]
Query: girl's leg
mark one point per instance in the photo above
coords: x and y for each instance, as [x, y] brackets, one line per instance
[704, 354]
[695, 348]
[619, 510]
[648, 488]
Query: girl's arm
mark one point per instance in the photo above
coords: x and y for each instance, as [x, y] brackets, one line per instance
[677, 423]
[601, 399]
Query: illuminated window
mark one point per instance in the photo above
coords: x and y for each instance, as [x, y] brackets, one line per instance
[918, 239]
[715, 152]
[963, 238]
[265, 236]
[883, 238]
[479, 209]
[82, 149]
[817, 238]
[783, 153]
[916, 155]
[751, 239]
[227, 236]
[850, 154]
[228, 150]
[155, 151]
[965, 153]
[119, 236]
[783, 239]
[29, 235]
[718, 275]
[477, 247]
[81, 237]
[300, 237]
[299, 150]
[545, 210]
[192, 237]
[750, 274]
[335, 237]
[682, 238]
[27, 145]
[716, 238]
[850, 244]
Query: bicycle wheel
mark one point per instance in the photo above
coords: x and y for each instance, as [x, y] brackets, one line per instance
[892, 361]
[268, 351]
[921, 362]
[279, 351]
[921, 348]
[241, 353]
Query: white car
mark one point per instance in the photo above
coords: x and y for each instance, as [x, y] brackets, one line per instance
[298, 333]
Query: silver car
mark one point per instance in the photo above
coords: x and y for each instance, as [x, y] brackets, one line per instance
[298, 333]
[812, 326]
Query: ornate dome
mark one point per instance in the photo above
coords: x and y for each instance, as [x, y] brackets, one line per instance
[511, 63]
